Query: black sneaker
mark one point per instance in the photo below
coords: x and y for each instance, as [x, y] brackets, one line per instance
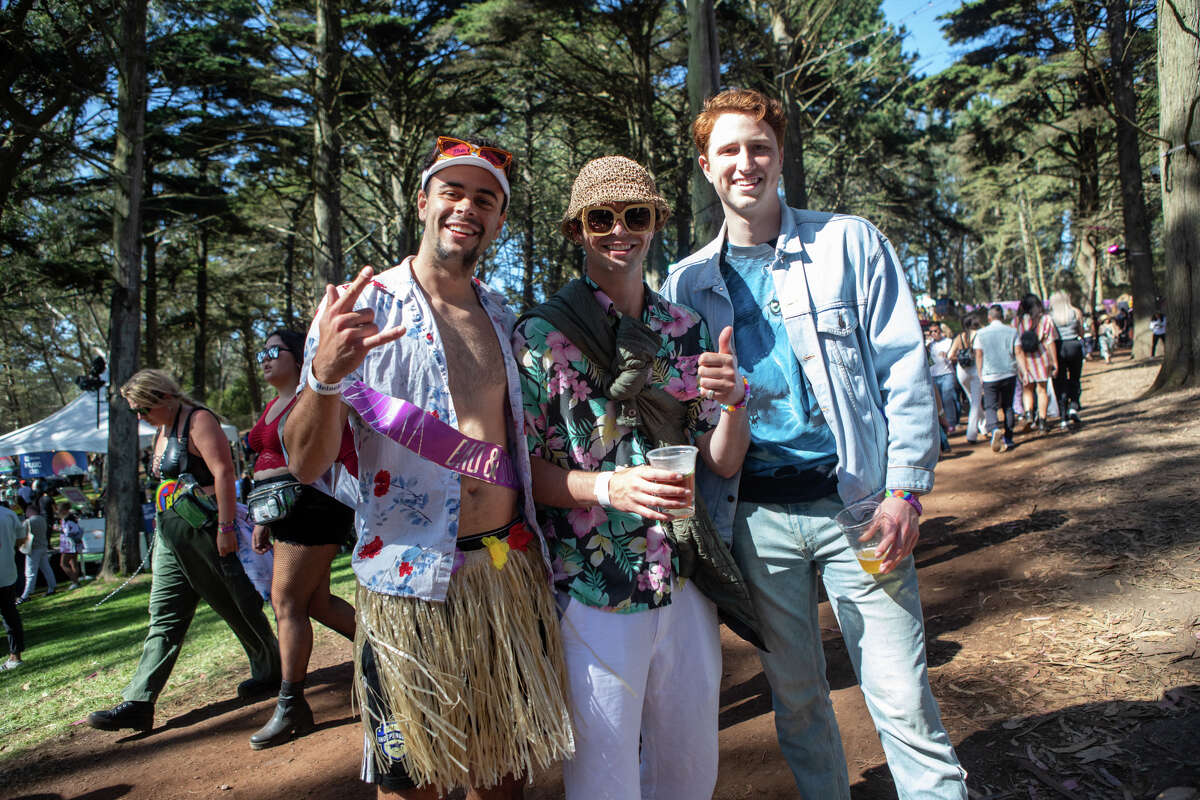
[135, 714]
[254, 689]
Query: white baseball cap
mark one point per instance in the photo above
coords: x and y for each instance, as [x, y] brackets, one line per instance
[469, 161]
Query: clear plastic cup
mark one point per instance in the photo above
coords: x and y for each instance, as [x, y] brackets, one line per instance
[681, 459]
[854, 521]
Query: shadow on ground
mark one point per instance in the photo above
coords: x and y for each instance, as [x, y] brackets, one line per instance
[1111, 750]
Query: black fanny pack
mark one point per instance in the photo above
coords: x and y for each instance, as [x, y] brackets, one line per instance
[273, 499]
[790, 487]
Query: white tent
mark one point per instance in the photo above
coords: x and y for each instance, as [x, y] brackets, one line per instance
[73, 427]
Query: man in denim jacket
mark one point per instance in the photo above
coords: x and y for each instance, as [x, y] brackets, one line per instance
[841, 410]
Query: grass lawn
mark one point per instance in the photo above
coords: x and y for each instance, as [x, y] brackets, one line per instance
[78, 658]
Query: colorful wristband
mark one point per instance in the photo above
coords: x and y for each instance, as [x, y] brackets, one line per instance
[225, 527]
[728, 408]
[907, 497]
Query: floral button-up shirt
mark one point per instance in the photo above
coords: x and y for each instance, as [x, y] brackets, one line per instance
[407, 507]
[607, 559]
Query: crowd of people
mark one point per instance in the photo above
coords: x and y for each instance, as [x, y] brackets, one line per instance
[529, 588]
[1022, 371]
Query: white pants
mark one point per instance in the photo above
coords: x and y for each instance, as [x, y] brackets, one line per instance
[654, 673]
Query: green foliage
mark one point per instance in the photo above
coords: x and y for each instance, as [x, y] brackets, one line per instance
[984, 176]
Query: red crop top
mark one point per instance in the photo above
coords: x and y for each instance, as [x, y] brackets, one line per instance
[264, 440]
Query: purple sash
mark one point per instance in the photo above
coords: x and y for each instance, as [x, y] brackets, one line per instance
[429, 437]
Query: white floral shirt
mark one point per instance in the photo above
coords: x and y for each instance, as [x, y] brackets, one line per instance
[407, 507]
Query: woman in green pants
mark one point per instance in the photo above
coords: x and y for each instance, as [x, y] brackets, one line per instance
[192, 559]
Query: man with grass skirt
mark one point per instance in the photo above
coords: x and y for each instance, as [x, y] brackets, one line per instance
[458, 662]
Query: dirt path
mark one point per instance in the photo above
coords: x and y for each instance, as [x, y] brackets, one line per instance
[1061, 584]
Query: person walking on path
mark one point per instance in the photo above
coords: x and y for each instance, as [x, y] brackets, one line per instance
[194, 554]
[941, 369]
[630, 624]
[307, 536]
[841, 410]
[1037, 359]
[995, 346]
[38, 557]
[962, 353]
[1068, 321]
[459, 669]
[12, 533]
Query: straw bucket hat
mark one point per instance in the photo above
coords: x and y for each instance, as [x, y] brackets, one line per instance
[614, 179]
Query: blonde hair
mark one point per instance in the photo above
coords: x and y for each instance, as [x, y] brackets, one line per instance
[1061, 310]
[150, 387]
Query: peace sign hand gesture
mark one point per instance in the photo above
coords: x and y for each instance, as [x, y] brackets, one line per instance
[347, 335]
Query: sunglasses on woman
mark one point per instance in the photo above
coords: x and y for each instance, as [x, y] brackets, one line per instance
[271, 353]
[636, 217]
[449, 147]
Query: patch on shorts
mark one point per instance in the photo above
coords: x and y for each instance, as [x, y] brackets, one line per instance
[391, 740]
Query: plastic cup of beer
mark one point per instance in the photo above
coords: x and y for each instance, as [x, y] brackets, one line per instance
[681, 459]
[855, 521]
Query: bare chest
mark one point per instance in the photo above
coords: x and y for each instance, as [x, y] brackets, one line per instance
[474, 360]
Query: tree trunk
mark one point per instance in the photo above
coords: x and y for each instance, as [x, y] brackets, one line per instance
[703, 78]
[122, 509]
[1179, 125]
[150, 356]
[1129, 164]
[251, 363]
[200, 321]
[795, 182]
[327, 146]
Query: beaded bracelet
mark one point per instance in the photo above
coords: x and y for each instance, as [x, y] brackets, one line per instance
[225, 527]
[728, 408]
[907, 497]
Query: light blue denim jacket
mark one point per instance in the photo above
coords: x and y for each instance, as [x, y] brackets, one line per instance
[853, 326]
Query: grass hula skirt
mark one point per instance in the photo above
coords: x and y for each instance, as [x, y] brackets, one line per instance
[476, 685]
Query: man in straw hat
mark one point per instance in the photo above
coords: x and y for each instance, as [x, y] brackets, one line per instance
[842, 411]
[458, 665]
[611, 370]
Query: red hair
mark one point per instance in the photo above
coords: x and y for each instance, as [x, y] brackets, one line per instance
[738, 101]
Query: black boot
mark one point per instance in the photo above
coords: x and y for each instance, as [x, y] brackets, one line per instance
[254, 688]
[292, 715]
[135, 714]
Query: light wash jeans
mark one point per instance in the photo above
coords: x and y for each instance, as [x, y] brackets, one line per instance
[968, 378]
[945, 387]
[782, 552]
[38, 559]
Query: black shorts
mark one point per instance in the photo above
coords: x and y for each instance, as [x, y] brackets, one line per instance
[378, 768]
[316, 519]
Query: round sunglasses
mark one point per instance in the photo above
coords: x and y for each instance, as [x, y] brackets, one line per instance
[635, 217]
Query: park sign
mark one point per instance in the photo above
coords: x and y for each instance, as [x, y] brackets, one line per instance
[61, 462]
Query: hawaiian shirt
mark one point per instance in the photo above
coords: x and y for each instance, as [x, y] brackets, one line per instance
[407, 507]
[607, 559]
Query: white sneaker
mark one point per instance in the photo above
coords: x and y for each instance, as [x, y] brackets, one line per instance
[12, 664]
[997, 441]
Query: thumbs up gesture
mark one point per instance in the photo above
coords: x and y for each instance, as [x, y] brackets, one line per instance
[718, 372]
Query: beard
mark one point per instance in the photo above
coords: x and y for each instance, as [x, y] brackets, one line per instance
[466, 258]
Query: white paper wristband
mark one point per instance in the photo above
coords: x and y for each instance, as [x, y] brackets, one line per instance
[601, 488]
[323, 388]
